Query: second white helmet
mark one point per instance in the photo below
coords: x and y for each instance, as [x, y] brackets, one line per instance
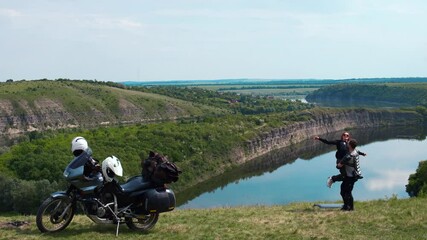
[79, 144]
[111, 167]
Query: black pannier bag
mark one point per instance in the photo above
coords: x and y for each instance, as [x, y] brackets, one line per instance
[158, 169]
[159, 200]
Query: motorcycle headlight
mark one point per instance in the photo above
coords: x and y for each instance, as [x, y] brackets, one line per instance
[66, 173]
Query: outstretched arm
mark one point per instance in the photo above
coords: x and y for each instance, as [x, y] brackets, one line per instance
[326, 141]
[361, 153]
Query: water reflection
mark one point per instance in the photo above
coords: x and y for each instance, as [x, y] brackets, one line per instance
[299, 172]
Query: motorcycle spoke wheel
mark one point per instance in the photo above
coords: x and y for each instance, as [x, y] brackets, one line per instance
[54, 215]
[143, 223]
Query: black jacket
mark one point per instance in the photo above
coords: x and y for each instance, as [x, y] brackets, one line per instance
[341, 145]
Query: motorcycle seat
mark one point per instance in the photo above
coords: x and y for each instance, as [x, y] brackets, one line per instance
[136, 183]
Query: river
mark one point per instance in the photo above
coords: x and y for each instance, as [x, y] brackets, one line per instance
[299, 173]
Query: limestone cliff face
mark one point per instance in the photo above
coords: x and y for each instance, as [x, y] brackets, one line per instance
[321, 124]
[19, 117]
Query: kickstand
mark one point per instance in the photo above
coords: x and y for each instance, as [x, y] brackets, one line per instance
[117, 228]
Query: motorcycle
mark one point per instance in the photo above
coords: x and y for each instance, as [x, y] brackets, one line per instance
[137, 203]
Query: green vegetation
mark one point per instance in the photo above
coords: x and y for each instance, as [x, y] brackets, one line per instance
[417, 185]
[280, 93]
[61, 103]
[412, 94]
[237, 103]
[24, 196]
[286, 91]
[277, 88]
[202, 145]
[201, 148]
[379, 219]
[77, 96]
[207, 130]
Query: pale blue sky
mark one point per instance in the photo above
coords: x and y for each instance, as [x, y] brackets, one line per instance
[193, 39]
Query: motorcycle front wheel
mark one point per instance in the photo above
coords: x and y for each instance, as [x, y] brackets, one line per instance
[54, 214]
[142, 223]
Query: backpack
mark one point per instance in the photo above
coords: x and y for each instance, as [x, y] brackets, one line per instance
[157, 168]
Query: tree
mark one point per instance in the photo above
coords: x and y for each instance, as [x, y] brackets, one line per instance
[6, 185]
[417, 182]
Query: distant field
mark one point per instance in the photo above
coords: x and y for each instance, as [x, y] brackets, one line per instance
[286, 91]
[278, 88]
[291, 93]
[421, 85]
[282, 89]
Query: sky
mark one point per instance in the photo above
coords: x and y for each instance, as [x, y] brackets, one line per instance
[146, 40]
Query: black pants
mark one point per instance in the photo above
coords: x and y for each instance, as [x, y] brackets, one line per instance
[340, 177]
[337, 178]
[346, 189]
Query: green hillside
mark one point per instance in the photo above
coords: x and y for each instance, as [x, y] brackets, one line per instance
[412, 94]
[44, 104]
[202, 146]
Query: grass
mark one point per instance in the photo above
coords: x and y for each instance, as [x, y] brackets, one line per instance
[83, 99]
[379, 219]
[273, 91]
[290, 91]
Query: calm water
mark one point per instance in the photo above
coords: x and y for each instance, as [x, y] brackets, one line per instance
[299, 173]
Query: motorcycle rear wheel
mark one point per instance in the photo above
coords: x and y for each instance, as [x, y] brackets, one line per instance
[54, 215]
[143, 223]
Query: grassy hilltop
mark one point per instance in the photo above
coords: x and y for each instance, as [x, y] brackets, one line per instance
[45, 104]
[380, 219]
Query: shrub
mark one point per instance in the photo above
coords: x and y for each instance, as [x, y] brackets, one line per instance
[417, 182]
[24, 196]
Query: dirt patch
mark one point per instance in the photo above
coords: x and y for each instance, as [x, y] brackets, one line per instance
[15, 224]
[128, 109]
[6, 107]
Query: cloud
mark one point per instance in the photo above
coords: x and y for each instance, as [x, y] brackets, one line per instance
[405, 8]
[70, 20]
[103, 22]
[224, 14]
[389, 179]
[126, 23]
[10, 13]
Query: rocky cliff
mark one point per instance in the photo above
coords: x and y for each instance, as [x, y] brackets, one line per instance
[284, 143]
[18, 117]
[306, 150]
[322, 123]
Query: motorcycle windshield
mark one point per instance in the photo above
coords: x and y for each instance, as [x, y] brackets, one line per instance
[79, 161]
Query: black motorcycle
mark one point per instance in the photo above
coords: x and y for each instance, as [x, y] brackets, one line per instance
[136, 203]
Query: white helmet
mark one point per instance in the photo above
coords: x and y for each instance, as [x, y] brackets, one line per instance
[111, 167]
[79, 143]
